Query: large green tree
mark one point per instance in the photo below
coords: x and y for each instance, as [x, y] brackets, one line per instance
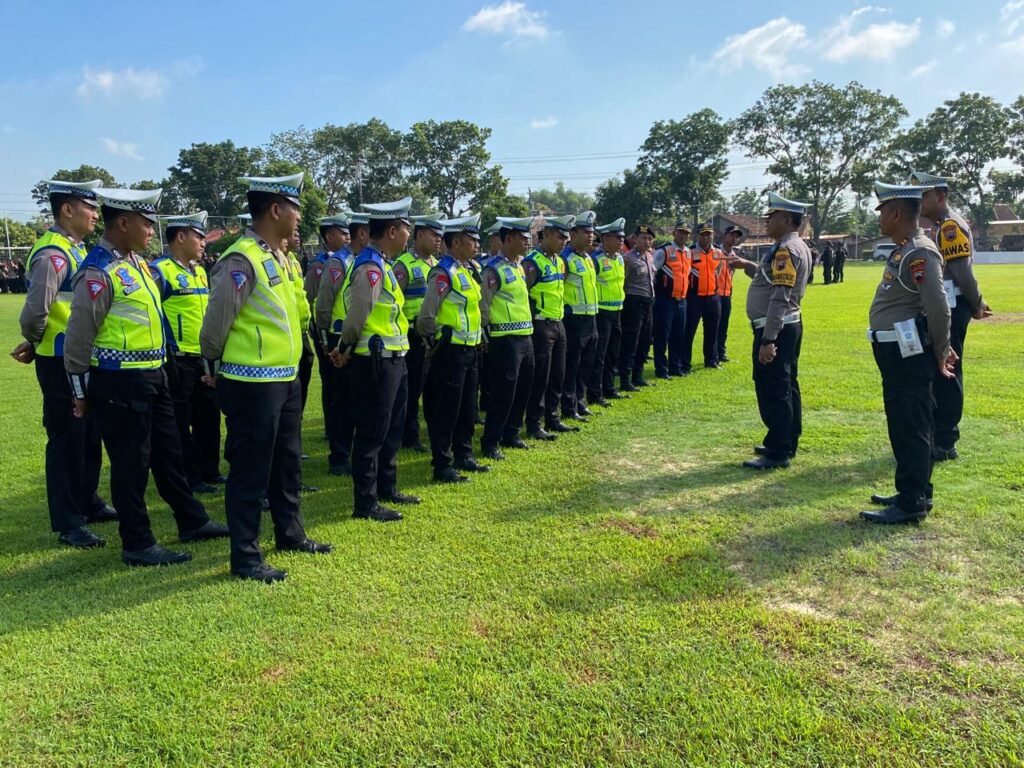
[747, 201]
[820, 139]
[352, 164]
[628, 197]
[449, 160]
[81, 173]
[683, 163]
[959, 140]
[561, 200]
[206, 176]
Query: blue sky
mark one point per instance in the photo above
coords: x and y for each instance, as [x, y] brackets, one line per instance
[126, 85]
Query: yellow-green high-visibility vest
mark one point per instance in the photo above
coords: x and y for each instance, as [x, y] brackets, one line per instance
[132, 334]
[547, 294]
[301, 303]
[611, 280]
[185, 294]
[386, 319]
[460, 307]
[52, 343]
[416, 289]
[580, 287]
[510, 307]
[265, 341]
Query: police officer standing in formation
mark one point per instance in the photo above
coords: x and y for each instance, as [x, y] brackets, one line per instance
[910, 337]
[184, 293]
[494, 241]
[450, 324]
[335, 236]
[251, 342]
[671, 283]
[330, 315]
[838, 262]
[290, 246]
[730, 239]
[580, 295]
[637, 310]
[702, 302]
[956, 244]
[610, 273]
[773, 307]
[73, 450]
[411, 270]
[506, 316]
[545, 279]
[372, 344]
[114, 356]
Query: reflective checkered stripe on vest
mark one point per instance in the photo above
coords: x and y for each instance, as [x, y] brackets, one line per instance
[580, 288]
[611, 281]
[510, 307]
[132, 334]
[547, 293]
[264, 342]
[184, 300]
[416, 288]
[460, 308]
[52, 343]
[386, 319]
[301, 304]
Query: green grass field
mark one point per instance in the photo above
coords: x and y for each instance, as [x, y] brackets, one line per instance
[626, 596]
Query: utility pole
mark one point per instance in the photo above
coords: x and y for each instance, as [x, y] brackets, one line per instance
[7, 235]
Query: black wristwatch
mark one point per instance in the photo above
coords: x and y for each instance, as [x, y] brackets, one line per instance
[766, 342]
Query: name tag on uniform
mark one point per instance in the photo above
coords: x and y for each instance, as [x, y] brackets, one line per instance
[270, 267]
[463, 282]
[417, 273]
[580, 266]
[510, 274]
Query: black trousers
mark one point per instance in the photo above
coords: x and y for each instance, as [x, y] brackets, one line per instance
[198, 418]
[449, 403]
[606, 354]
[306, 360]
[482, 357]
[907, 394]
[548, 373]
[264, 450]
[826, 267]
[414, 362]
[949, 393]
[580, 344]
[74, 452]
[140, 431]
[723, 325]
[706, 310]
[637, 317]
[379, 397]
[509, 369]
[837, 270]
[669, 327]
[778, 392]
[341, 424]
[326, 370]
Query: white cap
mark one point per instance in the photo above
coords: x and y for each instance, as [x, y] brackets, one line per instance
[196, 221]
[288, 187]
[142, 201]
[83, 190]
[394, 211]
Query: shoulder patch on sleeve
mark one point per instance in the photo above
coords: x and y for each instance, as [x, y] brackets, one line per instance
[443, 284]
[373, 275]
[954, 243]
[58, 262]
[917, 270]
[239, 279]
[336, 274]
[95, 288]
[783, 271]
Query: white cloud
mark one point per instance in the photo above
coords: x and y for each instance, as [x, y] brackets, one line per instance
[924, 69]
[767, 48]
[1012, 18]
[876, 41]
[140, 83]
[944, 29]
[543, 122]
[122, 149]
[513, 19]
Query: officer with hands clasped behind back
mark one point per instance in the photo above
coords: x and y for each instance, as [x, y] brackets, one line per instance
[251, 342]
[610, 269]
[910, 337]
[334, 234]
[373, 343]
[114, 356]
[73, 449]
[773, 307]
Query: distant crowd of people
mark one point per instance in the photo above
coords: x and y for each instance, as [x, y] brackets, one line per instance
[832, 261]
[12, 276]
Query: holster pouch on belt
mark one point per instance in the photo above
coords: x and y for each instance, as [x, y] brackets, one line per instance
[376, 353]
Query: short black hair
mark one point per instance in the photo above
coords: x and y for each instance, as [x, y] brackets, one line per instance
[57, 201]
[911, 206]
[172, 232]
[796, 218]
[379, 226]
[111, 214]
[354, 227]
[260, 202]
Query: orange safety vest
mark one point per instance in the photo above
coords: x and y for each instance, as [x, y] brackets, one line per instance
[704, 271]
[673, 277]
[725, 281]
